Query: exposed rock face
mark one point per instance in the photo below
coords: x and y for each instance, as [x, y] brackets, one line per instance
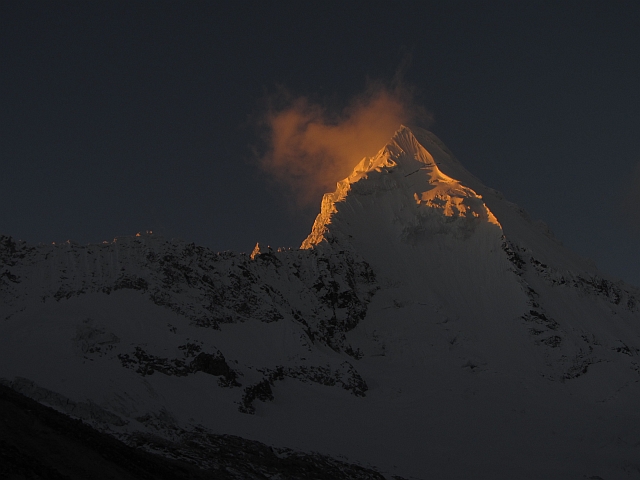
[327, 293]
[324, 295]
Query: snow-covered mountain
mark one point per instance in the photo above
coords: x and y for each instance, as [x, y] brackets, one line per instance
[426, 328]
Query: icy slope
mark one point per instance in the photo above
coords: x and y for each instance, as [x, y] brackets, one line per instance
[427, 327]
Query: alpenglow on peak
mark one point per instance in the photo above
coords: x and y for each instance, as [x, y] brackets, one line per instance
[405, 179]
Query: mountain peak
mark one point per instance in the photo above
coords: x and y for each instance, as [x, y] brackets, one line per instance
[413, 314]
[406, 175]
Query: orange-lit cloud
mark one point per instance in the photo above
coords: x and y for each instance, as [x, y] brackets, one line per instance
[310, 148]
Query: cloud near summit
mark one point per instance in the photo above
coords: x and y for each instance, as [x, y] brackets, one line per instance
[310, 148]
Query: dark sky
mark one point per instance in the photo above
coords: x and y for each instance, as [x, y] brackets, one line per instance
[117, 117]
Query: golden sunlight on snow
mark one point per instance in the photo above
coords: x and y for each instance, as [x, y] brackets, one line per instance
[403, 165]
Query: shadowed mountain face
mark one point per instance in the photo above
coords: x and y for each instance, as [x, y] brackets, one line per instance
[426, 328]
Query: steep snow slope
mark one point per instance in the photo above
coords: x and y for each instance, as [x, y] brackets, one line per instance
[427, 327]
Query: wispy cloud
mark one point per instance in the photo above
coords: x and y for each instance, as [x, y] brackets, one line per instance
[310, 147]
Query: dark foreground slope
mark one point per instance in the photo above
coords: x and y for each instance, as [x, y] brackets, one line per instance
[37, 442]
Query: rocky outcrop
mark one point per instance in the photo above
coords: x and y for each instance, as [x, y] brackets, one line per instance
[327, 292]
